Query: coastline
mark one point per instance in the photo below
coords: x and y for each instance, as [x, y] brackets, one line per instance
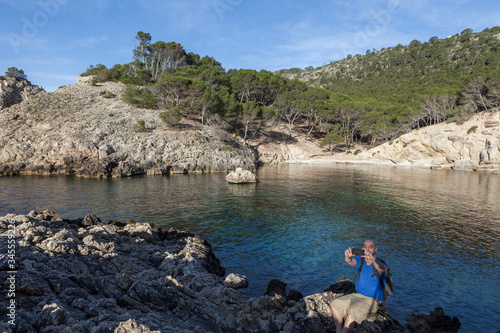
[87, 275]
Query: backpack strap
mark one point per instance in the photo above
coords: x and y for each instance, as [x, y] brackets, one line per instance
[377, 274]
[359, 270]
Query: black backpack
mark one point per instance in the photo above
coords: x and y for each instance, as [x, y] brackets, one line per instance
[388, 286]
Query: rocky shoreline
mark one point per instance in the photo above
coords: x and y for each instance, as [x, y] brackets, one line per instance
[84, 275]
[88, 131]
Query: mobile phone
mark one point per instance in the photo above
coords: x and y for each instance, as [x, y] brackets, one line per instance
[358, 252]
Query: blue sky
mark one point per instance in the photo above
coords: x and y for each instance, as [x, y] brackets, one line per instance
[54, 41]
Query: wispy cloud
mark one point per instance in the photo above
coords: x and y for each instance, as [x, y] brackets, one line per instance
[88, 42]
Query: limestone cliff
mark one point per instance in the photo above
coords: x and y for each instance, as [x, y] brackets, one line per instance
[475, 144]
[87, 130]
[14, 90]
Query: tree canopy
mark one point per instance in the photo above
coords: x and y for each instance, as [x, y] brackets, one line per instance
[369, 98]
[17, 73]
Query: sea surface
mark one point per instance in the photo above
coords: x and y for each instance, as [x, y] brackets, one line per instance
[438, 230]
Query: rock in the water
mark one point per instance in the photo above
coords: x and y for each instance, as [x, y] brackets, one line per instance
[465, 165]
[240, 176]
[436, 321]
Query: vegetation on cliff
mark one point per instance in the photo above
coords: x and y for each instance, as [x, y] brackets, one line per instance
[371, 98]
[391, 91]
[16, 73]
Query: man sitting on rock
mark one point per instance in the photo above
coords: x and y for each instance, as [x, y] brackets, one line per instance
[354, 308]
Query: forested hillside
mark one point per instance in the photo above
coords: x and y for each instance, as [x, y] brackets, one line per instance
[401, 88]
[370, 98]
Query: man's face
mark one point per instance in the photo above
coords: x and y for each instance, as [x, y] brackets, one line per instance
[370, 246]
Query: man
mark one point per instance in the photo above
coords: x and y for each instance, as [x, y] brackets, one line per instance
[354, 308]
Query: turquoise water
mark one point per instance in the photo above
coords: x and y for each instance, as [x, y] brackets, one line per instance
[437, 229]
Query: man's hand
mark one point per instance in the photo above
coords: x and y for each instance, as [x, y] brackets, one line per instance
[348, 257]
[369, 256]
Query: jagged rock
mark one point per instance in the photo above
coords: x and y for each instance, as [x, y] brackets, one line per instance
[83, 275]
[276, 287]
[490, 153]
[240, 176]
[74, 130]
[236, 281]
[294, 295]
[436, 321]
[342, 286]
[15, 90]
[465, 165]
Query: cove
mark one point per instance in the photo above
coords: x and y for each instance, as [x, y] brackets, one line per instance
[437, 229]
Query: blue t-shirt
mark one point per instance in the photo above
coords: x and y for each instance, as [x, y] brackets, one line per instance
[368, 284]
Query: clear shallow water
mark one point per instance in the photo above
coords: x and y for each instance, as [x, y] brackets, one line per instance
[437, 229]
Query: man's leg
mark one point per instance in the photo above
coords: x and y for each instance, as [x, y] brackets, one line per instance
[348, 324]
[339, 307]
[361, 307]
[337, 319]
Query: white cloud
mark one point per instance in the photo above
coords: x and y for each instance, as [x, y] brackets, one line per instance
[88, 42]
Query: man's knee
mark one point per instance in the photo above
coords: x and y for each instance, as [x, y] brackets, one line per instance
[349, 322]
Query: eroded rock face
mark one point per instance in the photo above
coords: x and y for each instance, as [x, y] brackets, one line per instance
[84, 275]
[76, 130]
[473, 145]
[13, 91]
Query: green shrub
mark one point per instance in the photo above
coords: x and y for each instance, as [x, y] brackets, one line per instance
[140, 97]
[171, 117]
[140, 126]
[357, 151]
[472, 130]
[348, 152]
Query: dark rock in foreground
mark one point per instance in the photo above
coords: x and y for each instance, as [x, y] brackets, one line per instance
[87, 276]
[436, 321]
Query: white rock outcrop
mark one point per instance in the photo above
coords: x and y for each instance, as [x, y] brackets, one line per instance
[13, 91]
[475, 144]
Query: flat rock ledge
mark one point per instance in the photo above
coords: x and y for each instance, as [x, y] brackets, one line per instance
[84, 275]
[240, 176]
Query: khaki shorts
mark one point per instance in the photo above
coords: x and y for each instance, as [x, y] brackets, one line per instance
[356, 305]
